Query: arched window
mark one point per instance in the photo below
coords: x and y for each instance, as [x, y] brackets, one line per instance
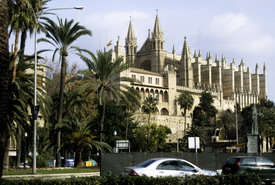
[147, 94]
[165, 97]
[164, 111]
[157, 95]
[161, 96]
[152, 93]
[142, 93]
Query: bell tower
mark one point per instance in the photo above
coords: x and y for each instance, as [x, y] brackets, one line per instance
[130, 44]
[158, 54]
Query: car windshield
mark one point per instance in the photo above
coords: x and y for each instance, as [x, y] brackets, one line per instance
[146, 163]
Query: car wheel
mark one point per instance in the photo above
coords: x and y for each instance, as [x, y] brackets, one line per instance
[268, 182]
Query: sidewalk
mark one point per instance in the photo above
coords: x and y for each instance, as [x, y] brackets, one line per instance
[50, 176]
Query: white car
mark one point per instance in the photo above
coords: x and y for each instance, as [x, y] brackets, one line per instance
[166, 167]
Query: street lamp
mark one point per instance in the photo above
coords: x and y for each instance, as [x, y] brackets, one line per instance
[35, 106]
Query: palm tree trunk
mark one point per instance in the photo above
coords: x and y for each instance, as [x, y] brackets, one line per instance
[102, 121]
[78, 159]
[60, 105]
[6, 155]
[185, 119]
[127, 124]
[22, 44]
[65, 158]
[267, 144]
[15, 52]
[18, 147]
[4, 81]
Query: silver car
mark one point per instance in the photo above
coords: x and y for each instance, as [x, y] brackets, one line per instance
[166, 167]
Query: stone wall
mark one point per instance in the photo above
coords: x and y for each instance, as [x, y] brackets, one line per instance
[114, 163]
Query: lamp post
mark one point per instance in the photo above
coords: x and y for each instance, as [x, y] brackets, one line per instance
[237, 135]
[35, 106]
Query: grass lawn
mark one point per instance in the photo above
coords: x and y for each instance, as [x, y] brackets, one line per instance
[14, 171]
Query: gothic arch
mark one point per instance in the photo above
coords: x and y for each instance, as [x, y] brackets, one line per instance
[142, 93]
[161, 96]
[147, 93]
[164, 111]
[146, 65]
[157, 95]
[152, 93]
[165, 96]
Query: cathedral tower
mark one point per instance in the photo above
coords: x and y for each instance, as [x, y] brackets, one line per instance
[158, 53]
[186, 70]
[130, 44]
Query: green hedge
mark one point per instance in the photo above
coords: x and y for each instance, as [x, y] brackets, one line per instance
[242, 179]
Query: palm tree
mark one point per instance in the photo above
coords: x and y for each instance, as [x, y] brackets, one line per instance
[266, 124]
[38, 8]
[194, 131]
[206, 101]
[18, 19]
[61, 36]
[186, 101]
[149, 106]
[105, 80]
[225, 121]
[4, 82]
[21, 99]
[78, 136]
[22, 18]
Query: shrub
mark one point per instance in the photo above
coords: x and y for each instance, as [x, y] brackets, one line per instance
[238, 179]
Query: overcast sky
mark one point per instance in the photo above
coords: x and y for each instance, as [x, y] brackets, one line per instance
[239, 29]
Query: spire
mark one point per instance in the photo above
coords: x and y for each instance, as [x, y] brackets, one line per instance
[223, 58]
[195, 54]
[185, 49]
[242, 63]
[117, 42]
[131, 34]
[186, 71]
[130, 44]
[256, 68]
[173, 50]
[118, 47]
[149, 33]
[216, 58]
[208, 56]
[264, 69]
[157, 29]
[199, 55]
[223, 61]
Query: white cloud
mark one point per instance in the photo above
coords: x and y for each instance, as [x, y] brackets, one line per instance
[230, 24]
[236, 32]
[262, 43]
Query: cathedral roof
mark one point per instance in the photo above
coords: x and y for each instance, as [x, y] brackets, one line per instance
[142, 71]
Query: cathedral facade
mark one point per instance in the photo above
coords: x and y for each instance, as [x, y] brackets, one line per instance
[164, 75]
